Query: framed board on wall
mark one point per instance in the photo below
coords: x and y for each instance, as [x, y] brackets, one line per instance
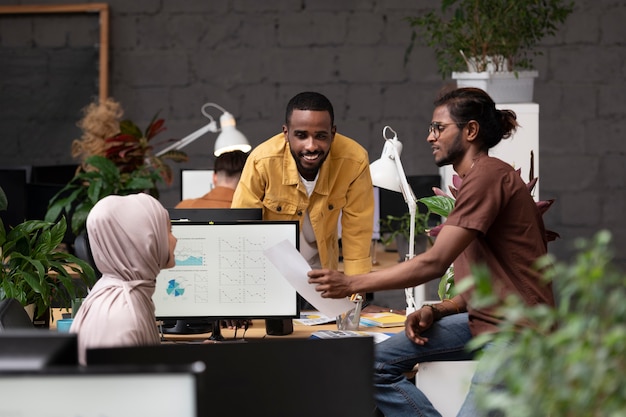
[54, 61]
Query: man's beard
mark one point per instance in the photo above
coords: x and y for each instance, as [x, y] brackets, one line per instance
[454, 153]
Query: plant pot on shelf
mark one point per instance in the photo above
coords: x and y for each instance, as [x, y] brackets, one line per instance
[503, 87]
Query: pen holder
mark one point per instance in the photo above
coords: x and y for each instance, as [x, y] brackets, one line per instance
[350, 319]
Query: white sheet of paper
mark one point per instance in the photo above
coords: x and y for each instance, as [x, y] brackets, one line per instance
[294, 268]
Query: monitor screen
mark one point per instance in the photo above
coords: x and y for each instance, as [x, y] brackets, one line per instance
[280, 377]
[36, 349]
[121, 391]
[13, 183]
[194, 183]
[222, 273]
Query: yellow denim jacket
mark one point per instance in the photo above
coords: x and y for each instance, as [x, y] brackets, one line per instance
[270, 181]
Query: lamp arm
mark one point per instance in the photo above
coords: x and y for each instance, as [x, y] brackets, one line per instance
[211, 127]
[411, 201]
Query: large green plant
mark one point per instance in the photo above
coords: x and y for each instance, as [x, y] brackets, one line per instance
[33, 270]
[568, 360]
[504, 33]
[78, 197]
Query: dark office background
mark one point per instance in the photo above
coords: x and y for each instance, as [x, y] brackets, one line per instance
[251, 56]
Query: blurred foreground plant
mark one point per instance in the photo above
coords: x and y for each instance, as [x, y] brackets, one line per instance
[568, 360]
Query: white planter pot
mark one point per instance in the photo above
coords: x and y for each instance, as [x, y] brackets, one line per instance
[503, 87]
[445, 384]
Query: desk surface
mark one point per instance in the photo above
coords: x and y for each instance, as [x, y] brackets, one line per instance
[257, 331]
[384, 259]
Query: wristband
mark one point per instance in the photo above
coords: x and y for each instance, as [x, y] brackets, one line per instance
[435, 310]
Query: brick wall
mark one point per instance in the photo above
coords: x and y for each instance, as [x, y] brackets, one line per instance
[251, 56]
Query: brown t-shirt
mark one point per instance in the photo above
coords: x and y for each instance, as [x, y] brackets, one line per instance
[494, 201]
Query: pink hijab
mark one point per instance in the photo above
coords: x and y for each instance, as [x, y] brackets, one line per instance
[129, 240]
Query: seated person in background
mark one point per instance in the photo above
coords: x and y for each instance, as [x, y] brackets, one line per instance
[312, 174]
[226, 174]
[131, 241]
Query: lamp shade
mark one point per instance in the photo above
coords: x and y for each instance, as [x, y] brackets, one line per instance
[383, 171]
[230, 139]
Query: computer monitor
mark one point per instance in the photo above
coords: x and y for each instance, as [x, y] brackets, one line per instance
[205, 215]
[121, 391]
[13, 182]
[221, 273]
[36, 349]
[269, 377]
[194, 183]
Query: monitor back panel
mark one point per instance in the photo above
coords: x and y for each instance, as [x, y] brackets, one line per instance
[119, 391]
[288, 377]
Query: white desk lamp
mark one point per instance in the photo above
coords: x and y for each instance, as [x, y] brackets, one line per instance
[229, 139]
[387, 172]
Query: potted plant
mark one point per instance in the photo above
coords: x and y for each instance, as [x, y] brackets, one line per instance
[490, 44]
[34, 271]
[569, 359]
[117, 158]
[398, 228]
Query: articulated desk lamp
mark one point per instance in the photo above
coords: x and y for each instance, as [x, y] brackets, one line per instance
[229, 139]
[388, 173]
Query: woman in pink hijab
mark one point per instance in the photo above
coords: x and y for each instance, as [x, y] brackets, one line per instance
[131, 241]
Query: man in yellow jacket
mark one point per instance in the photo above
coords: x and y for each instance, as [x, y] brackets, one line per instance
[314, 175]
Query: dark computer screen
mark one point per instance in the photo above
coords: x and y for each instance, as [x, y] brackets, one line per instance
[13, 182]
[270, 377]
[36, 349]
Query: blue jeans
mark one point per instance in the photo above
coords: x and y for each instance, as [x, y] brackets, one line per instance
[395, 395]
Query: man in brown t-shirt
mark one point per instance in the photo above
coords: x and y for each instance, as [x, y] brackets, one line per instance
[495, 223]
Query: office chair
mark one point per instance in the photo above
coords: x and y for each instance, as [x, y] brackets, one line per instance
[82, 250]
[13, 315]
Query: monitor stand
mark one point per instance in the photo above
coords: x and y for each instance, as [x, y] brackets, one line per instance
[190, 327]
[217, 331]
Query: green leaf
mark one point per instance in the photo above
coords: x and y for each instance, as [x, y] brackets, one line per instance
[3, 200]
[130, 128]
[438, 204]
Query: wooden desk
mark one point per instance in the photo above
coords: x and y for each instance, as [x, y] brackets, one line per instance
[257, 331]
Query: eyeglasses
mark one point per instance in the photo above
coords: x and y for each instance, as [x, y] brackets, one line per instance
[436, 128]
